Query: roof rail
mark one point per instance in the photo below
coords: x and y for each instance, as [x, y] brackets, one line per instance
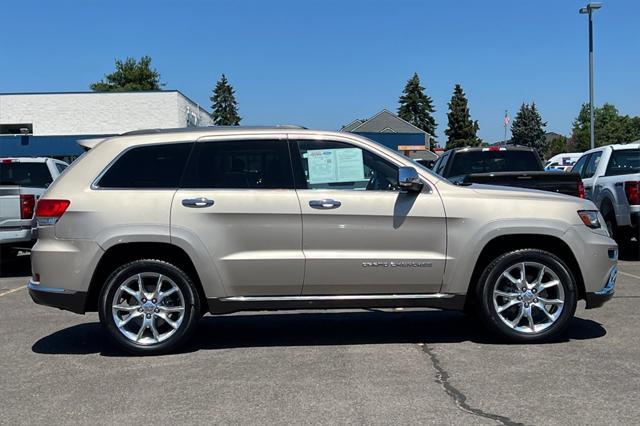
[204, 128]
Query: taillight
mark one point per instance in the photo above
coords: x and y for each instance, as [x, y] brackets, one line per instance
[632, 189]
[49, 211]
[581, 193]
[27, 204]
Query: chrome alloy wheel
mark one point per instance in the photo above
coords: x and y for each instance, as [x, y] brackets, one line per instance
[148, 308]
[528, 297]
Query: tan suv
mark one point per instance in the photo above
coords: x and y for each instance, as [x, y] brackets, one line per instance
[154, 229]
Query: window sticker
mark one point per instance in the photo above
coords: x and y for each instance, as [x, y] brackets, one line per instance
[335, 165]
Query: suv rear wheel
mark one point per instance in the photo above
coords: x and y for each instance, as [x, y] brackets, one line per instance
[149, 307]
[527, 295]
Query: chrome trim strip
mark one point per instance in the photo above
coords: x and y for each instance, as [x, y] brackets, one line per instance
[610, 287]
[37, 287]
[330, 298]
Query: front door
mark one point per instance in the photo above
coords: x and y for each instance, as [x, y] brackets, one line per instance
[237, 198]
[361, 235]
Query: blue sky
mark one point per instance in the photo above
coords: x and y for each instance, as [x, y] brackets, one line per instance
[323, 63]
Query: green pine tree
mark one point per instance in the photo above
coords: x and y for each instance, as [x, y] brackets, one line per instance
[416, 107]
[130, 75]
[461, 131]
[528, 129]
[225, 107]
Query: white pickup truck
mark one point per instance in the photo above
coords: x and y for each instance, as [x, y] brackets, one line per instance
[611, 177]
[22, 182]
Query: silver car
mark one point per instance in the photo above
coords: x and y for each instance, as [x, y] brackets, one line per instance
[154, 229]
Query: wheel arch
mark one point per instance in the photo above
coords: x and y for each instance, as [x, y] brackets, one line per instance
[120, 254]
[506, 243]
[607, 206]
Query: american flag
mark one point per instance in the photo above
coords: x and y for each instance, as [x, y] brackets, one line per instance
[506, 119]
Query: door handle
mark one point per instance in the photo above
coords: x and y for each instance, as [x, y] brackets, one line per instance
[197, 202]
[325, 204]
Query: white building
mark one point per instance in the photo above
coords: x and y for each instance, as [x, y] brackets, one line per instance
[50, 123]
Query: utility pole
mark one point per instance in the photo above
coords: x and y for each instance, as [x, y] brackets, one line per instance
[589, 10]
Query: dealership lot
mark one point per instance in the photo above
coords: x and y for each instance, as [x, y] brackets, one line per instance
[321, 367]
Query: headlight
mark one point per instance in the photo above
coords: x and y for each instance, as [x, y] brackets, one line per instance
[589, 218]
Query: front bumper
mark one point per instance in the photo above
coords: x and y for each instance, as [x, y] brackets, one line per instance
[60, 298]
[598, 298]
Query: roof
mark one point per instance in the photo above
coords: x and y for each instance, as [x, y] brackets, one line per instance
[488, 148]
[383, 122]
[105, 93]
[210, 129]
[349, 127]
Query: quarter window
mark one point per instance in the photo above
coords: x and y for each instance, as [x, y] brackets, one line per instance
[257, 164]
[338, 165]
[153, 166]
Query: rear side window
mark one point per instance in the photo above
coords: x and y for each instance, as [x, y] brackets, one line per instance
[35, 175]
[465, 163]
[257, 164]
[61, 167]
[579, 166]
[438, 168]
[154, 166]
[592, 165]
[624, 162]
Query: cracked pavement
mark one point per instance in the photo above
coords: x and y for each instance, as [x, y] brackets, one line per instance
[377, 367]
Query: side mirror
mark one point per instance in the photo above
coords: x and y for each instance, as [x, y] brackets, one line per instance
[408, 180]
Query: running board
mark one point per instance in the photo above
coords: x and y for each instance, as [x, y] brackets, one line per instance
[226, 305]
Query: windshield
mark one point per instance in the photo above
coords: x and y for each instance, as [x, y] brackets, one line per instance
[493, 161]
[25, 174]
[624, 162]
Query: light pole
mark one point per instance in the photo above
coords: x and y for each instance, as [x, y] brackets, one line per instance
[589, 10]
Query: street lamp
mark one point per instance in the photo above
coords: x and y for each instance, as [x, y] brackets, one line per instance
[589, 10]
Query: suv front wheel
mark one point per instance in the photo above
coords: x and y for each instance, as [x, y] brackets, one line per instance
[149, 307]
[527, 295]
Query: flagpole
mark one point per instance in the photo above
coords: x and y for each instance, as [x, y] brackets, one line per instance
[505, 126]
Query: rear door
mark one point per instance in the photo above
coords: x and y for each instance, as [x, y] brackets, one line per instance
[361, 235]
[237, 200]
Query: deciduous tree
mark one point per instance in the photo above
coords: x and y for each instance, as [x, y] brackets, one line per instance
[130, 75]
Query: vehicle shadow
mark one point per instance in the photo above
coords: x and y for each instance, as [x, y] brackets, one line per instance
[309, 329]
[19, 266]
[630, 251]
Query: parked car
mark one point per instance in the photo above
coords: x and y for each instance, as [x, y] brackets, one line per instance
[562, 162]
[154, 229]
[611, 176]
[508, 166]
[22, 182]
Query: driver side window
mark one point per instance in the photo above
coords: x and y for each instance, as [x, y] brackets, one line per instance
[339, 165]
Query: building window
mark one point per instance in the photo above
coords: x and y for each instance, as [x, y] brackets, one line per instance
[16, 129]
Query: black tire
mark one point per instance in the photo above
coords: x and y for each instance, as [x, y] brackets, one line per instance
[612, 226]
[191, 306]
[492, 273]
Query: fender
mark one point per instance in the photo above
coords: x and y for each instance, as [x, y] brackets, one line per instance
[458, 270]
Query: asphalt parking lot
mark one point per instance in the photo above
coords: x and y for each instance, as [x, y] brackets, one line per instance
[373, 367]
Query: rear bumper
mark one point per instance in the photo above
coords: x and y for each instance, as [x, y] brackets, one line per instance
[20, 237]
[598, 298]
[60, 298]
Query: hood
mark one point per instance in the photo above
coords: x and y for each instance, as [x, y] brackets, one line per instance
[514, 192]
